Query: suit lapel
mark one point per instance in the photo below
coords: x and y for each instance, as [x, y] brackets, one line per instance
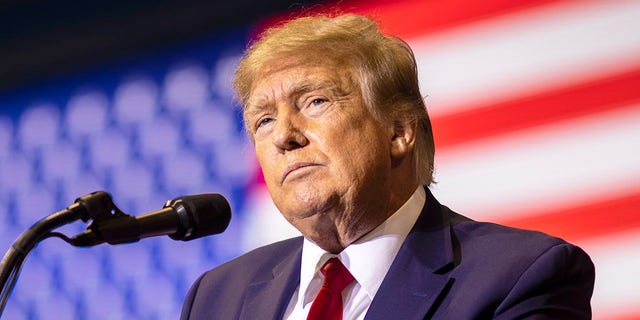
[417, 276]
[268, 297]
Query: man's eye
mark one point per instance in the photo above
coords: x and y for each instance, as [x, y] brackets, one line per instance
[318, 101]
[263, 122]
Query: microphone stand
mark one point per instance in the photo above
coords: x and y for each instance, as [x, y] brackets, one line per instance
[98, 203]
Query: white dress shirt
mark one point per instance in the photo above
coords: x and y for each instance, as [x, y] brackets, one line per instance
[368, 260]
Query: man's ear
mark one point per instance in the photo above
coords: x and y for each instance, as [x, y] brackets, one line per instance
[403, 139]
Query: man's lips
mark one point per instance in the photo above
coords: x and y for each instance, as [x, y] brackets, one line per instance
[294, 167]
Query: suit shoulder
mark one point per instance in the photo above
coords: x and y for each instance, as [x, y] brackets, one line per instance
[511, 250]
[509, 272]
[236, 276]
[500, 237]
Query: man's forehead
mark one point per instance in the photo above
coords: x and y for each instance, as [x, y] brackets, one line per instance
[297, 79]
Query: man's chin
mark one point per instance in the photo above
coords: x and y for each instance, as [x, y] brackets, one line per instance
[305, 203]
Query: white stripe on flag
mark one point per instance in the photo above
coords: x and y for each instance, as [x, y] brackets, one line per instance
[550, 167]
[538, 49]
[617, 261]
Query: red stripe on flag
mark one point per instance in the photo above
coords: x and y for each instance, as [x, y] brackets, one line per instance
[548, 107]
[409, 18]
[587, 220]
[629, 316]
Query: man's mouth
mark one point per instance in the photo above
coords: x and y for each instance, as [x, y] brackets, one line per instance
[294, 167]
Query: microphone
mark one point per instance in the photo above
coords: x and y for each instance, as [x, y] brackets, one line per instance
[184, 218]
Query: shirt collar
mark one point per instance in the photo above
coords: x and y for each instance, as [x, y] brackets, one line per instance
[369, 258]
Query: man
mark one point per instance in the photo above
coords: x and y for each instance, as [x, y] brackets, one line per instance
[345, 144]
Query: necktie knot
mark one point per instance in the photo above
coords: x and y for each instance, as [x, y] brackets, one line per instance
[336, 275]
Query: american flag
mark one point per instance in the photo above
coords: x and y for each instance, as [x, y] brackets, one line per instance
[536, 113]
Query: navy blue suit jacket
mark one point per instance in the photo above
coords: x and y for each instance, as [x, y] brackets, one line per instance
[449, 267]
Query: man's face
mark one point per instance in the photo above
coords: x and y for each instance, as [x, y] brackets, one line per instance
[325, 159]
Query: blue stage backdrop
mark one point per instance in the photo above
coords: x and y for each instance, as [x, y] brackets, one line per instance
[146, 129]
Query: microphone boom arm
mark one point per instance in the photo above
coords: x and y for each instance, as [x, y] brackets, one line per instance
[10, 265]
[184, 218]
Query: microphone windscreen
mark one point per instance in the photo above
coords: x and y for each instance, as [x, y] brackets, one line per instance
[210, 213]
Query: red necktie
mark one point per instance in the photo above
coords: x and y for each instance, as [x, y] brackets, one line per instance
[328, 303]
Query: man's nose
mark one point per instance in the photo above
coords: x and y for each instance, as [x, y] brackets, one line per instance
[288, 134]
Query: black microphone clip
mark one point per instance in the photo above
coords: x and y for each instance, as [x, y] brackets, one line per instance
[100, 208]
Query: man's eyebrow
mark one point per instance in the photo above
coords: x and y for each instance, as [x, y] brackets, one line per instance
[252, 109]
[309, 87]
[333, 86]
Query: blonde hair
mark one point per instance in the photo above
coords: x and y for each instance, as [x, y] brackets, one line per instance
[384, 69]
